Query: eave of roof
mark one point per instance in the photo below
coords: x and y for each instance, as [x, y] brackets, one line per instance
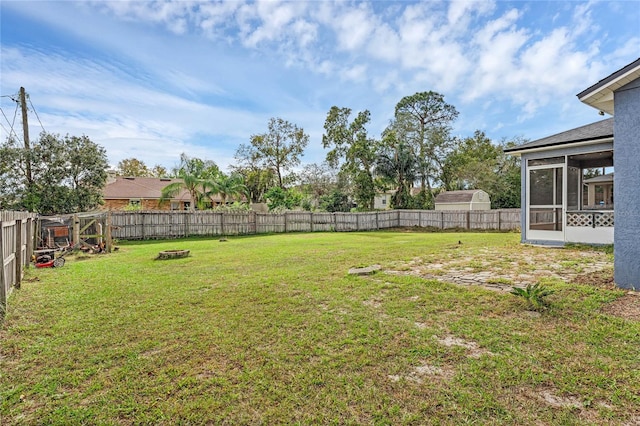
[600, 95]
[601, 179]
[597, 132]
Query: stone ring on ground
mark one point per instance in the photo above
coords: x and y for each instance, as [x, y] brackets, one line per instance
[172, 254]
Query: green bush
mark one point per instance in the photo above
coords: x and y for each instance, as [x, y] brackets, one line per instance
[534, 295]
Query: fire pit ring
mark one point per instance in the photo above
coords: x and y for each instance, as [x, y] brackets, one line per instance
[172, 254]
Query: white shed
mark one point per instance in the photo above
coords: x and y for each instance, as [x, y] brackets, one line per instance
[470, 199]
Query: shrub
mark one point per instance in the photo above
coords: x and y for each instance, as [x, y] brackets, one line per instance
[534, 295]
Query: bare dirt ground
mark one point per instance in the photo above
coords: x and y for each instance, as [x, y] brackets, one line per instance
[502, 268]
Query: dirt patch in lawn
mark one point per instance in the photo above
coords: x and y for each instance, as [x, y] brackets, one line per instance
[502, 268]
[627, 306]
[473, 350]
[420, 373]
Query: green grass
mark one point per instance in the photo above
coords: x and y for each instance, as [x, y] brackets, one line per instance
[272, 330]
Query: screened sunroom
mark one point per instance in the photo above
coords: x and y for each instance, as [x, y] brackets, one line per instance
[556, 205]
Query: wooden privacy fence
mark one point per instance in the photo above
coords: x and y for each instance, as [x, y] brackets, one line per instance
[16, 248]
[142, 225]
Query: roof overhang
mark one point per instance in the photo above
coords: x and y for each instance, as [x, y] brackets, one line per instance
[519, 152]
[600, 95]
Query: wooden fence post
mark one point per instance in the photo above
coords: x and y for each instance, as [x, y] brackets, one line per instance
[18, 253]
[222, 223]
[285, 222]
[311, 220]
[76, 229]
[108, 243]
[499, 212]
[468, 219]
[441, 219]
[254, 222]
[30, 225]
[3, 278]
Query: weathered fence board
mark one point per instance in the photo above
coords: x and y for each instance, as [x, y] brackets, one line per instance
[267, 223]
[16, 236]
[175, 224]
[322, 222]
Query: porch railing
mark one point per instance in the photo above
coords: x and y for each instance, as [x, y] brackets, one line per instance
[590, 218]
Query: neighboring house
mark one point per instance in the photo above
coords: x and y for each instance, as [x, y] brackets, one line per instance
[382, 200]
[470, 199]
[553, 170]
[142, 192]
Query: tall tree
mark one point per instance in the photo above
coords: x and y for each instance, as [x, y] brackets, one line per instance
[318, 180]
[195, 175]
[426, 119]
[12, 178]
[506, 192]
[226, 186]
[204, 169]
[67, 174]
[133, 167]
[397, 164]
[477, 163]
[471, 164]
[257, 179]
[353, 149]
[279, 149]
[159, 171]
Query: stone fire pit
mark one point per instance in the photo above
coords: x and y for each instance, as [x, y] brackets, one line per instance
[172, 254]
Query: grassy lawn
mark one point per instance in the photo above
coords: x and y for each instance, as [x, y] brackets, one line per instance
[273, 330]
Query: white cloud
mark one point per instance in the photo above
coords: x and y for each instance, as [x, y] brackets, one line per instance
[353, 26]
[214, 72]
[460, 11]
[356, 73]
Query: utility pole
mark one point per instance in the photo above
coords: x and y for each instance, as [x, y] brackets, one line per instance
[25, 134]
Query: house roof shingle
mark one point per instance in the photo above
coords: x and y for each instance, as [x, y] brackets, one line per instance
[140, 187]
[590, 132]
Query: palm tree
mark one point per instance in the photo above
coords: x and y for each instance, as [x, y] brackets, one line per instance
[226, 186]
[195, 174]
[193, 184]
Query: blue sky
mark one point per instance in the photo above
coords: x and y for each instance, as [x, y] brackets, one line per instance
[150, 80]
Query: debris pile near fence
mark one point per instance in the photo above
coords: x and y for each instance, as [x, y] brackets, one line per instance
[143, 225]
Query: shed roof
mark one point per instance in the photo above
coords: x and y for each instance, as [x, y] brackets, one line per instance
[590, 132]
[463, 196]
[140, 187]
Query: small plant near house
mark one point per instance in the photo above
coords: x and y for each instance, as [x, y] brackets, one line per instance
[534, 295]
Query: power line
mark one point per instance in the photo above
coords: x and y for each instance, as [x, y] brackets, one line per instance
[5, 129]
[36, 113]
[15, 114]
